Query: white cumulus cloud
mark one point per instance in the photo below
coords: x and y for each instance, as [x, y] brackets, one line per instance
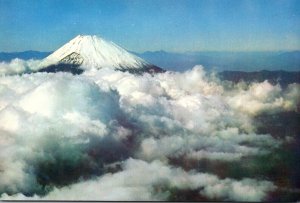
[60, 134]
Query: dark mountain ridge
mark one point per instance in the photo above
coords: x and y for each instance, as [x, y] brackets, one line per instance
[283, 78]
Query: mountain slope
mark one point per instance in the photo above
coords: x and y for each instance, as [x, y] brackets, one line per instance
[87, 52]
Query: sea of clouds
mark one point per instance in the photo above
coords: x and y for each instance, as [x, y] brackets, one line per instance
[112, 135]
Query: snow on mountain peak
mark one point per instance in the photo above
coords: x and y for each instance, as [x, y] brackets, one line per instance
[94, 52]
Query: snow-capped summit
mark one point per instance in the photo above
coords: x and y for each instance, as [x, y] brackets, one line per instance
[86, 52]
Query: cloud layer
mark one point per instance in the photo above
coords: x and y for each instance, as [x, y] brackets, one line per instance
[140, 180]
[111, 135]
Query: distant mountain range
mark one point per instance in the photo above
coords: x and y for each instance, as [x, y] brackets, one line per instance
[219, 61]
[8, 56]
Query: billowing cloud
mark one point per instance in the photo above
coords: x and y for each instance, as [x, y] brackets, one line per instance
[111, 135]
[265, 97]
[19, 66]
[140, 181]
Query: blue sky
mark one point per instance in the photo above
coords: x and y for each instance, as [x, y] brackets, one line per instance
[141, 25]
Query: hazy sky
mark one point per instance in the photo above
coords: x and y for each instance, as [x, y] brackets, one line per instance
[140, 25]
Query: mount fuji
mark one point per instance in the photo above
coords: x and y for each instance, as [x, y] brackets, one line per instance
[86, 52]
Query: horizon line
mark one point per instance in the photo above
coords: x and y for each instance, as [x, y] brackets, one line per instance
[178, 52]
